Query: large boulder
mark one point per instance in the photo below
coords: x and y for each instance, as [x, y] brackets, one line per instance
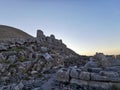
[91, 64]
[74, 73]
[63, 75]
[102, 60]
[95, 70]
[3, 47]
[44, 49]
[84, 76]
[47, 57]
[109, 74]
[100, 78]
[12, 59]
[2, 57]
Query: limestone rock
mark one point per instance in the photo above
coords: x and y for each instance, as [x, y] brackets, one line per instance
[84, 76]
[47, 57]
[12, 59]
[91, 64]
[19, 86]
[95, 70]
[63, 75]
[44, 49]
[2, 58]
[74, 73]
[109, 74]
[102, 60]
[3, 47]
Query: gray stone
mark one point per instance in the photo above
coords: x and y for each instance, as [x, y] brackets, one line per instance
[52, 36]
[118, 57]
[3, 46]
[95, 70]
[12, 59]
[84, 75]
[47, 57]
[93, 85]
[25, 65]
[20, 41]
[34, 72]
[109, 74]
[91, 64]
[19, 86]
[102, 60]
[40, 35]
[99, 78]
[2, 58]
[4, 79]
[113, 68]
[63, 75]
[100, 56]
[74, 73]
[3, 67]
[44, 49]
[79, 82]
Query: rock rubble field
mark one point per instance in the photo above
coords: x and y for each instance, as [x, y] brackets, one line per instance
[45, 63]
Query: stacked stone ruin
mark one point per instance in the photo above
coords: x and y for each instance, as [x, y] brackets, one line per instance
[100, 73]
[24, 61]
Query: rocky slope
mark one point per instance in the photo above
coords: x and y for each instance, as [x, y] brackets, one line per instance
[101, 72]
[27, 63]
[45, 63]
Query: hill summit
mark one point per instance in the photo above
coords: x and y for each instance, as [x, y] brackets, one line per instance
[8, 32]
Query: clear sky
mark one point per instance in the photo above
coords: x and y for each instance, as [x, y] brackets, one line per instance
[86, 26]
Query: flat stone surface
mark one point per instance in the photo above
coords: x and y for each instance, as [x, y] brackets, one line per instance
[84, 76]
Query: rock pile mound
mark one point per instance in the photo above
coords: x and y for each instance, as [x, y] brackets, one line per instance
[25, 62]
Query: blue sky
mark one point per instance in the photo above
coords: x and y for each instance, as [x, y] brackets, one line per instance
[86, 26]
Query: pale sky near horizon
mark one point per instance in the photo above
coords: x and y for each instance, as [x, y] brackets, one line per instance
[85, 26]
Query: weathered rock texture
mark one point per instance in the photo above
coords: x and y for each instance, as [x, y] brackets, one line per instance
[25, 60]
[100, 73]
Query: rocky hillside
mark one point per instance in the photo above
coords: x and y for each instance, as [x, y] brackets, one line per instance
[101, 72]
[45, 63]
[28, 63]
[7, 33]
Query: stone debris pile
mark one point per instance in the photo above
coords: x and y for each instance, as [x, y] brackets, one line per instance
[100, 73]
[24, 62]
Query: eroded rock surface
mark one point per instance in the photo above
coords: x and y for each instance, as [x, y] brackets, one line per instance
[100, 73]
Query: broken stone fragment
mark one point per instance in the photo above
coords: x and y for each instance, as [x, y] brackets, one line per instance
[74, 73]
[84, 76]
[63, 75]
[109, 74]
[44, 49]
[12, 59]
[47, 56]
[3, 47]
